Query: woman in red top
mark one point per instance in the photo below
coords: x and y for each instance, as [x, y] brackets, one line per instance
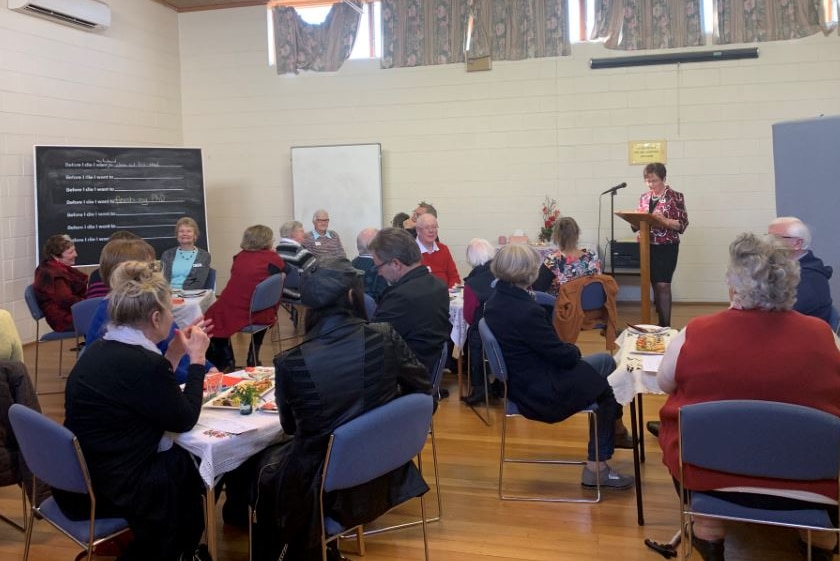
[255, 263]
[57, 284]
[669, 205]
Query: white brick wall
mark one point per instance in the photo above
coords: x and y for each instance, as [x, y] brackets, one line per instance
[486, 148]
[60, 85]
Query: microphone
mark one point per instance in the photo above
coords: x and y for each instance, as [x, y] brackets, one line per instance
[616, 188]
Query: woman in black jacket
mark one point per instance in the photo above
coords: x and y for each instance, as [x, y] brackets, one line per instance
[344, 367]
[548, 379]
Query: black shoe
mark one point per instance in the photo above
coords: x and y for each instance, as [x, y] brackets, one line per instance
[653, 428]
[623, 441]
[476, 397]
[443, 393]
[497, 389]
[708, 550]
[817, 553]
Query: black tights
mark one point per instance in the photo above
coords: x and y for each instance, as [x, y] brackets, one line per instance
[220, 352]
[662, 301]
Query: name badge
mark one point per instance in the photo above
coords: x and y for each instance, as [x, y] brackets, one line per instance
[317, 243]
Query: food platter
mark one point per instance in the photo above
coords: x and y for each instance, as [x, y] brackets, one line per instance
[650, 344]
[229, 400]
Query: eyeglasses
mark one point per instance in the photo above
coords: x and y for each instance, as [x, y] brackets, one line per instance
[322, 220]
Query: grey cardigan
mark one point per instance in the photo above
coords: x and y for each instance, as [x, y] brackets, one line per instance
[200, 269]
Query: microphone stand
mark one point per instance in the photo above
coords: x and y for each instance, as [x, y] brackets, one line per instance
[612, 232]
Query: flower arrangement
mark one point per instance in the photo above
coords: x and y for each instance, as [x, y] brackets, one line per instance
[550, 214]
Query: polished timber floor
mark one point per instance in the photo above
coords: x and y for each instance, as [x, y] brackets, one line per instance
[476, 525]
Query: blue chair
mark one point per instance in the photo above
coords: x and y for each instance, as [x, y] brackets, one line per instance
[290, 300]
[53, 455]
[370, 305]
[761, 439]
[834, 320]
[545, 300]
[210, 281]
[83, 313]
[494, 357]
[60, 336]
[372, 445]
[266, 295]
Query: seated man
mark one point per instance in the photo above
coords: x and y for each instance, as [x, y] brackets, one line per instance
[293, 254]
[410, 223]
[322, 241]
[813, 294]
[435, 254]
[416, 304]
[374, 284]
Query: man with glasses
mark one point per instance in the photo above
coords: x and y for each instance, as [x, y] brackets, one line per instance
[813, 295]
[322, 241]
[435, 254]
[416, 304]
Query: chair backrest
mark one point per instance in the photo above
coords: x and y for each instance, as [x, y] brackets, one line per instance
[377, 442]
[267, 294]
[292, 278]
[437, 375]
[493, 352]
[834, 319]
[761, 438]
[370, 305]
[210, 281]
[545, 299]
[32, 303]
[50, 450]
[593, 296]
[83, 313]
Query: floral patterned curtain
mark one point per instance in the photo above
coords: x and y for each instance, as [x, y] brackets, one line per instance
[633, 25]
[319, 47]
[754, 21]
[427, 32]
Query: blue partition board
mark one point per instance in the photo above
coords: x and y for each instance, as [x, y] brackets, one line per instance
[806, 156]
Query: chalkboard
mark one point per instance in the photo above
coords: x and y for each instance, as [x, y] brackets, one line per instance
[346, 180]
[91, 192]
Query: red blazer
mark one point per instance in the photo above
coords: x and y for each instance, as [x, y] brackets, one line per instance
[230, 312]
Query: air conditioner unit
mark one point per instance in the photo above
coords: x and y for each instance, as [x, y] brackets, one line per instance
[86, 14]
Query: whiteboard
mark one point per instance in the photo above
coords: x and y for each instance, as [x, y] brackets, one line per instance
[346, 181]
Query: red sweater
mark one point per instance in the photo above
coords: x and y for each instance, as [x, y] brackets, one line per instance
[230, 312]
[442, 265]
[57, 288]
[752, 354]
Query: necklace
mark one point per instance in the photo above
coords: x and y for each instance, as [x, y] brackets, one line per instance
[186, 254]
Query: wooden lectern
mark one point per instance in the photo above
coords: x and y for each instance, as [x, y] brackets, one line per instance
[643, 221]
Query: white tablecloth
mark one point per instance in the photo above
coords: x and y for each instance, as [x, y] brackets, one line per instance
[629, 378]
[456, 318]
[194, 304]
[220, 452]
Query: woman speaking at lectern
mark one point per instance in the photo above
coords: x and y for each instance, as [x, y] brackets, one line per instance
[669, 205]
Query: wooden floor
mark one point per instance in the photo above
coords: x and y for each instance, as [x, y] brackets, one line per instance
[476, 525]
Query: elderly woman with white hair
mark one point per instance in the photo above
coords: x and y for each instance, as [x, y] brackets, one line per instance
[762, 331]
[477, 289]
[549, 380]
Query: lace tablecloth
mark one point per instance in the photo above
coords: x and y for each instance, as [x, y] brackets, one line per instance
[456, 318]
[194, 304]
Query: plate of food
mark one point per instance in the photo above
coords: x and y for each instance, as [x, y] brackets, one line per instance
[231, 398]
[645, 328]
[650, 344]
[268, 407]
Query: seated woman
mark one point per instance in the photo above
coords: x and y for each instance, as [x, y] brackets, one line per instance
[761, 333]
[549, 380]
[57, 284]
[567, 263]
[10, 347]
[477, 289]
[96, 286]
[114, 253]
[344, 368]
[230, 312]
[121, 397]
[186, 267]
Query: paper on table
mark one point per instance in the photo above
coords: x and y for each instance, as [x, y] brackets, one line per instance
[650, 363]
[227, 423]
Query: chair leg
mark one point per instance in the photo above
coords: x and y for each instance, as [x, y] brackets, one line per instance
[437, 473]
[28, 539]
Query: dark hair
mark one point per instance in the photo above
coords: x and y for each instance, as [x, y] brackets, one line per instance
[399, 218]
[56, 245]
[429, 208]
[656, 169]
[123, 235]
[395, 243]
[119, 251]
[352, 301]
[566, 233]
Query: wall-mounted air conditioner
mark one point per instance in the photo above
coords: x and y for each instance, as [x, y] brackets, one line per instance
[86, 14]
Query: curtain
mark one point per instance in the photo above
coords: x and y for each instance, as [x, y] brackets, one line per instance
[322, 48]
[633, 25]
[427, 32]
[753, 21]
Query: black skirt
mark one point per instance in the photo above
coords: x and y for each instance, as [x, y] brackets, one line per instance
[663, 261]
